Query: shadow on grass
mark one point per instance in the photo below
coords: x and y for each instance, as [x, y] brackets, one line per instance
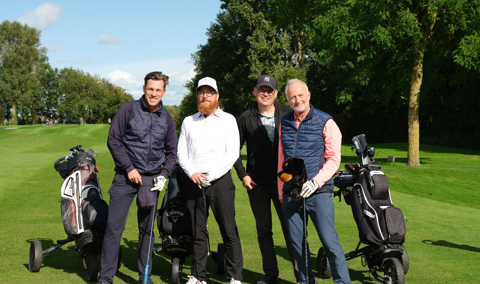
[448, 244]
[62, 259]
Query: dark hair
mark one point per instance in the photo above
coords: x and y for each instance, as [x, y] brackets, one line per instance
[156, 75]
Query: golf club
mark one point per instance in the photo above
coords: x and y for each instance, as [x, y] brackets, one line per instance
[145, 280]
[306, 241]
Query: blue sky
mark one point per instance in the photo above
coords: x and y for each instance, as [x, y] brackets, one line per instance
[120, 41]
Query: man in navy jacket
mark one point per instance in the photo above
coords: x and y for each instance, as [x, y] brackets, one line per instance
[143, 143]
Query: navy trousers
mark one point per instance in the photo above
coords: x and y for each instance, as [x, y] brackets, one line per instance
[122, 192]
[321, 210]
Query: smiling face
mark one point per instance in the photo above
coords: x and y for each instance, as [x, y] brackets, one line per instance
[207, 105]
[154, 91]
[265, 96]
[299, 98]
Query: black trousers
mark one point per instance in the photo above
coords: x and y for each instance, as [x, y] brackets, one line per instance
[122, 192]
[261, 198]
[220, 197]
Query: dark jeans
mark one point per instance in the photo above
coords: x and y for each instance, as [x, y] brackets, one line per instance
[220, 197]
[261, 198]
[122, 192]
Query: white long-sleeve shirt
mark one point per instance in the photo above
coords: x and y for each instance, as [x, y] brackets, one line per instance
[208, 145]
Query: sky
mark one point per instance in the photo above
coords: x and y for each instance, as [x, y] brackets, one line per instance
[121, 41]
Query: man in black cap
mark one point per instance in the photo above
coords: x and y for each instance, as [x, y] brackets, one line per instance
[258, 126]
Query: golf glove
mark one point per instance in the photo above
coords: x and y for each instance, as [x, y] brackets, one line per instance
[159, 183]
[308, 188]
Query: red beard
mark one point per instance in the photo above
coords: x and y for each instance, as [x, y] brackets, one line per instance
[207, 109]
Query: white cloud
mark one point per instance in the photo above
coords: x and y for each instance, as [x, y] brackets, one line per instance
[42, 16]
[127, 81]
[108, 39]
[130, 76]
[53, 48]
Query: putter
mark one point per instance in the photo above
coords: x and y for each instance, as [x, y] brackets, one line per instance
[209, 253]
[306, 241]
[145, 280]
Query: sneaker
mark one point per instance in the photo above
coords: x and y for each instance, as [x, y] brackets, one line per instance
[193, 280]
[268, 279]
[233, 281]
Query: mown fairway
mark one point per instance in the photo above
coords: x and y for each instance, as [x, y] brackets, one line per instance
[439, 199]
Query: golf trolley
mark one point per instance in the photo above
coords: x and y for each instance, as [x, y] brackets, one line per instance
[84, 212]
[381, 225]
[174, 226]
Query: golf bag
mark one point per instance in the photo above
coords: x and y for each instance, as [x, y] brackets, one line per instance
[379, 222]
[84, 212]
[174, 223]
[381, 225]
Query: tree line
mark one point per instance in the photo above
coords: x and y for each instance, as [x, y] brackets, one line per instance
[31, 89]
[382, 68]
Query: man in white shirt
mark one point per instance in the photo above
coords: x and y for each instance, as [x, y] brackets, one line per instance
[207, 149]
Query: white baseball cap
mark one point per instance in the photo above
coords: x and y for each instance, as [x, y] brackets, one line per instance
[207, 81]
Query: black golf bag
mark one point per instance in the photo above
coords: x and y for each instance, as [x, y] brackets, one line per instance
[173, 222]
[174, 226]
[84, 212]
[381, 225]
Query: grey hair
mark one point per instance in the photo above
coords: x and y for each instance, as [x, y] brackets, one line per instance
[294, 81]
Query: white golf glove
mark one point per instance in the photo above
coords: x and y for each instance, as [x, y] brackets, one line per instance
[308, 188]
[159, 183]
[206, 183]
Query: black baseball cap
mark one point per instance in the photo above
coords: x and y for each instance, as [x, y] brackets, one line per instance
[267, 80]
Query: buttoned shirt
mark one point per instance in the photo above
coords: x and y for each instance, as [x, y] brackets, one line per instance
[208, 145]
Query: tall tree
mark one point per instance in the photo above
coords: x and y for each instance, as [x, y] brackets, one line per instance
[362, 41]
[21, 60]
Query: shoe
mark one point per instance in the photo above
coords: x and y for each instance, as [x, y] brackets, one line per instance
[193, 280]
[268, 279]
[233, 281]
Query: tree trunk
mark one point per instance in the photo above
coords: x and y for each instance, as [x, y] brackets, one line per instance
[14, 118]
[413, 158]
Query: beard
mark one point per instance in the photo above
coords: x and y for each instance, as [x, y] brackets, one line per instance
[207, 109]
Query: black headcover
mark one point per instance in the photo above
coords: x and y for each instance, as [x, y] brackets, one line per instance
[294, 171]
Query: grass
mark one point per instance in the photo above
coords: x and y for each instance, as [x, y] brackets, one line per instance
[440, 200]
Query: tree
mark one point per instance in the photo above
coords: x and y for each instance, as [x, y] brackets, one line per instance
[247, 40]
[370, 46]
[21, 61]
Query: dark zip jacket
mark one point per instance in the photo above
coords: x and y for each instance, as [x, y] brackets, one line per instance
[262, 155]
[143, 140]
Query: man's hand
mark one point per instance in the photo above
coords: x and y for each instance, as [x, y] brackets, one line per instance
[159, 183]
[135, 177]
[248, 183]
[201, 180]
[308, 188]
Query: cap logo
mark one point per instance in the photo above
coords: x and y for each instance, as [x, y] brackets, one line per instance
[267, 79]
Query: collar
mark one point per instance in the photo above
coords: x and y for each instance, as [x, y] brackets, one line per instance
[217, 113]
[145, 107]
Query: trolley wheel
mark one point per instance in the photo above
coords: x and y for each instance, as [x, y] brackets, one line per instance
[221, 259]
[35, 257]
[323, 265]
[90, 263]
[393, 269]
[119, 260]
[175, 270]
[405, 261]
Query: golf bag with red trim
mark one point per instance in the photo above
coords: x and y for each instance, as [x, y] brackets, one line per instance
[84, 212]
